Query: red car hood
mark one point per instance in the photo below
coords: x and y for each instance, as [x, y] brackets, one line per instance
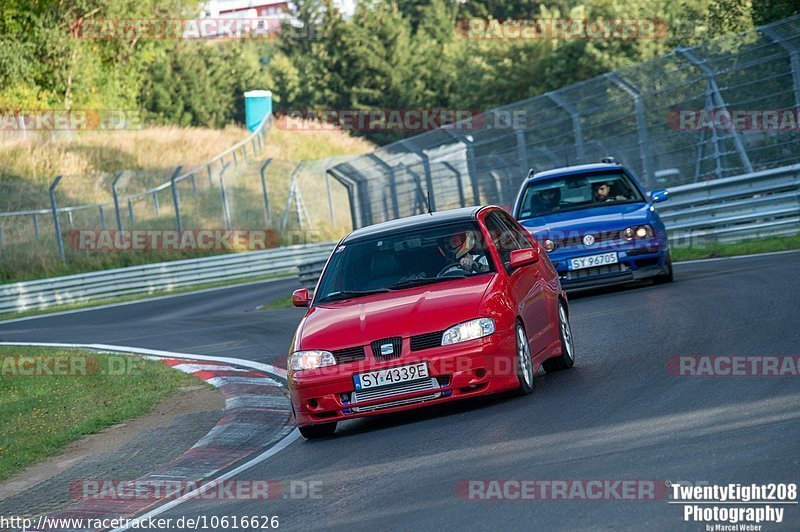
[404, 313]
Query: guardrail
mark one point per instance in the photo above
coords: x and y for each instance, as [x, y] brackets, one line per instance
[44, 293]
[765, 203]
[310, 272]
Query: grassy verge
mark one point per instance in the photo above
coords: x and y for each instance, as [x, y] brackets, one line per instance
[748, 247]
[137, 297]
[89, 160]
[84, 394]
[152, 154]
[38, 260]
[284, 302]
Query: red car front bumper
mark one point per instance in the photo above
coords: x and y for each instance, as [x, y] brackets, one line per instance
[475, 367]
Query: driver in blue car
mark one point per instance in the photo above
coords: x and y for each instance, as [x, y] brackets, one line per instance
[549, 199]
[459, 251]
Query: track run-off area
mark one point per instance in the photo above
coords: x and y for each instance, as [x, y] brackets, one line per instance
[619, 414]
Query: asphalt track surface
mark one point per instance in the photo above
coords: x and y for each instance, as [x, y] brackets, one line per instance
[618, 414]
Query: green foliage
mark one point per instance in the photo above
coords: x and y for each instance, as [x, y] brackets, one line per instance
[507, 8]
[41, 57]
[44, 63]
[399, 54]
[766, 11]
[411, 54]
[201, 84]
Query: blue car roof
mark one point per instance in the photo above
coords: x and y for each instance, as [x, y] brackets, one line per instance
[579, 169]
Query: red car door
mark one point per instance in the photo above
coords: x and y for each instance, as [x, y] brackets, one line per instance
[539, 318]
[526, 283]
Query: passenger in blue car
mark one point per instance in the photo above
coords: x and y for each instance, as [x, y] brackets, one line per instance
[601, 191]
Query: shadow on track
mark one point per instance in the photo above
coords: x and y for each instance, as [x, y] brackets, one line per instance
[645, 285]
[477, 407]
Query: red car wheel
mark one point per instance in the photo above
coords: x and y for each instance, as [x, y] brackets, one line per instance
[567, 357]
[524, 362]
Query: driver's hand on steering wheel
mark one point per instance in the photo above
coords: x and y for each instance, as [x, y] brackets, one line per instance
[466, 262]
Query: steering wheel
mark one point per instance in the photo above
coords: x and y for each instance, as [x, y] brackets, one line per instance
[449, 267]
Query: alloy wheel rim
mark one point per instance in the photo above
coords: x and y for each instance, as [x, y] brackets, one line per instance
[566, 332]
[525, 362]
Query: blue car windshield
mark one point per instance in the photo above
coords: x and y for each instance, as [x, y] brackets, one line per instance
[403, 260]
[577, 192]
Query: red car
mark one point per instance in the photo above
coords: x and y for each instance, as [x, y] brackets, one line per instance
[423, 310]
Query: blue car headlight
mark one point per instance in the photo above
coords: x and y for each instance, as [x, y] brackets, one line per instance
[642, 231]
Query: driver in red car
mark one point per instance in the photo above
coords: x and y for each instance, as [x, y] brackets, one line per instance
[459, 250]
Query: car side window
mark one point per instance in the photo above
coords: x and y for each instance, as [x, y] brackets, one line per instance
[521, 237]
[503, 238]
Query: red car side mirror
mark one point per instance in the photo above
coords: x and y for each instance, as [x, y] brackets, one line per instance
[300, 298]
[523, 257]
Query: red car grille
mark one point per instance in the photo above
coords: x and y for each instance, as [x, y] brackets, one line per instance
[351, 354]
[418, 343]
[397, 346]
[426, 341]
[387, 392]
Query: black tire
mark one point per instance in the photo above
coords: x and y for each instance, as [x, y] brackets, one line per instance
[311, 432]
[567, 357]
[524, 369]
[665, 277]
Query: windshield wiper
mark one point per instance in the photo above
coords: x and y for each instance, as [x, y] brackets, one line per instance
[421, 282]
[349, 294]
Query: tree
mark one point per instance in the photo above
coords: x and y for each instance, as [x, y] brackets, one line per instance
[766, 11]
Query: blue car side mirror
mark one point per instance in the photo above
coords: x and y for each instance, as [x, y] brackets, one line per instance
[657, 196]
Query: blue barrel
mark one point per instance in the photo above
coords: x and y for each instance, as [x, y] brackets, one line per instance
[257, 105]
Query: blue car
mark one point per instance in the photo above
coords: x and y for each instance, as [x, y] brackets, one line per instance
[597, 223]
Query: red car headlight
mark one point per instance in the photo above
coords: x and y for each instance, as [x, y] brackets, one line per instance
[469, 330]
[300, 360]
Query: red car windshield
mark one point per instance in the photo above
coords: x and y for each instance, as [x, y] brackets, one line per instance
[403, 260]
[577, 192]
